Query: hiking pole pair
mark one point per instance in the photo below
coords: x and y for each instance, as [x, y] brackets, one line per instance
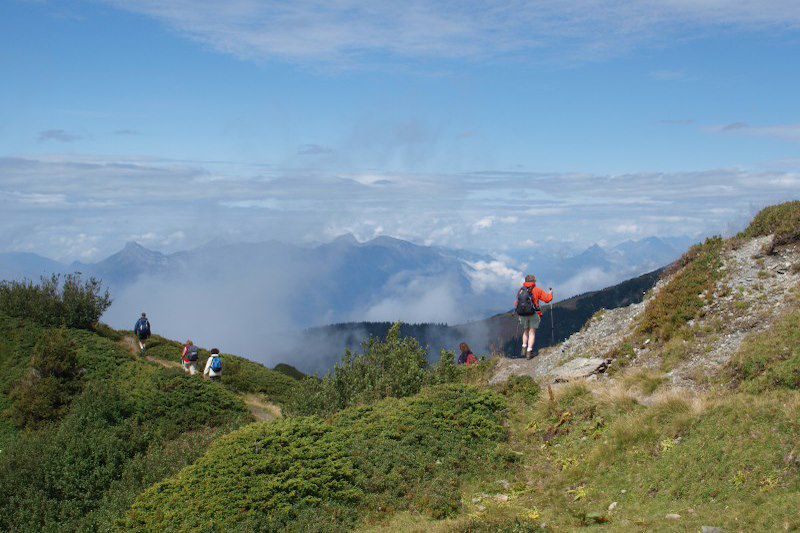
[552, 320]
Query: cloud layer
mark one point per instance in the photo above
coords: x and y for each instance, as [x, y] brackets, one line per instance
[83, 208]
[352, 32]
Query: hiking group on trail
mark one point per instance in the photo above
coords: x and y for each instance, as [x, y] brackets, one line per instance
[526, 307]
[189, 355]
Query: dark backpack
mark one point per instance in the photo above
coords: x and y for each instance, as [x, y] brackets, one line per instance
[216, 363]
[525, 305]
[143, 328]
[192, 353]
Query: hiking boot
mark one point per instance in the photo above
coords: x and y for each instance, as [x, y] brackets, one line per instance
[524, 352]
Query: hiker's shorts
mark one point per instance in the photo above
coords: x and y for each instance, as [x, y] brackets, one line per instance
[530, 322]
[190, 367]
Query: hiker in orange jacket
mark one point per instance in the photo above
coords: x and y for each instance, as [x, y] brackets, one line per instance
[530, 314]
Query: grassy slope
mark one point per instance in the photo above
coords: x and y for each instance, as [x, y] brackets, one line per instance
[133, 424]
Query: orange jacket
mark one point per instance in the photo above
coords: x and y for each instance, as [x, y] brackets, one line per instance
[538, 294]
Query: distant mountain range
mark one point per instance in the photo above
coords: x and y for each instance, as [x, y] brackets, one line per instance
[247, 296]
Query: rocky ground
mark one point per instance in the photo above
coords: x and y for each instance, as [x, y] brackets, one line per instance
[755, 288]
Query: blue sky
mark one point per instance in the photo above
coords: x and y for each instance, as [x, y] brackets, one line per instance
[474, 124]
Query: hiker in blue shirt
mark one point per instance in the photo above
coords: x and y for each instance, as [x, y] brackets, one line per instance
[142, 331]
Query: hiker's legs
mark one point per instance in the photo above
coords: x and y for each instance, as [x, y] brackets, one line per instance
[192, 369]
[531, 339]
[141, 344]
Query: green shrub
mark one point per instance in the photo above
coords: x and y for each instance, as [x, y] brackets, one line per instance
[307, 474]
[395, 367]
[445, 370]
[782, 220]
[73, 302]
[684, 297]
[522, 387]
[52, 380]
[248, 377]
[289, 370]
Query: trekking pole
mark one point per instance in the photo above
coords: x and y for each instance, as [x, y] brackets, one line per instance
[552, 320]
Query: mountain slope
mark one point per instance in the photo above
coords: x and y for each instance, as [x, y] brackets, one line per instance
[652, 444]
[127, 424]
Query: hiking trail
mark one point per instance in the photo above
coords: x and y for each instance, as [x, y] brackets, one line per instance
[261, 409]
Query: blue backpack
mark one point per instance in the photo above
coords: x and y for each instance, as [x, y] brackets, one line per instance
[216, 363]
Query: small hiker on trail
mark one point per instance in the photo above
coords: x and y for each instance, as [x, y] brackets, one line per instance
[213, 366]
[466, 357]
[189, 358]
[529, 312]
[142, 331]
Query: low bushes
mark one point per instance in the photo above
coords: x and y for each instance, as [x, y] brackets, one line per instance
[73, 302]
[782, 220]
[307, 474]
[51, 382]
[127, 426]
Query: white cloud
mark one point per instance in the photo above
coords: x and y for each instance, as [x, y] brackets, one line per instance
[492, 275]
[789, 132]
[349, 32]
[626, 228]
[484, 223]
[489, 221]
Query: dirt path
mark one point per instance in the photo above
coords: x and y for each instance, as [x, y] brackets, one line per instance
[130, 344]
[262, 410]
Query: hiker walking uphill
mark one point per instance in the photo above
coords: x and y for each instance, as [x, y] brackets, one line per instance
[189, 358]
[142, 330]
[529, 312]
[213, 366]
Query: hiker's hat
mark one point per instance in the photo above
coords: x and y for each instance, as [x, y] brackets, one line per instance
[530, 278]
[144, 315]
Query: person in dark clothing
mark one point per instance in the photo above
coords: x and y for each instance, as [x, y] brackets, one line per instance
[466, 357]
[142, 330]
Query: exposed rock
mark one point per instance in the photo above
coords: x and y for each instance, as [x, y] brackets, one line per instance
[612, 507]
[578, 368]
[711, 529]
[744, 301]
[673, 516]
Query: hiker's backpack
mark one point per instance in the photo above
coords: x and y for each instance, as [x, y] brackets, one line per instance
[143, 328]
[525, 305]
[192, 353]
[216, 363]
